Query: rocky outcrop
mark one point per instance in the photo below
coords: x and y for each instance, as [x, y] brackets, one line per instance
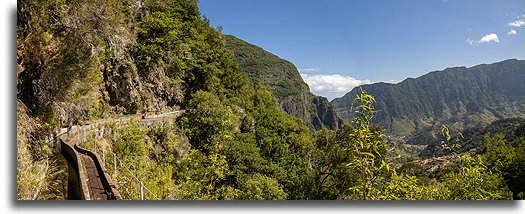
[282, 78]
[324, 114]
[459, 97]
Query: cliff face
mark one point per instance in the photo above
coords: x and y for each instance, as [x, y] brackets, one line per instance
[324, 113]
[84, 60]
[282, 78]
[458, 97]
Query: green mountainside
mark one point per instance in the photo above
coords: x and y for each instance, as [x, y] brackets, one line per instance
[473, 139]
[502, 143]
[240, 136]
[282, 78]
[457, 97]
[85, 60]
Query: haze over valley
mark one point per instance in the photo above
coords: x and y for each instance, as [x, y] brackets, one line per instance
[270, 100]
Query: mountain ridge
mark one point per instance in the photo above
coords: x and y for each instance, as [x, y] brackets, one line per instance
[282, 78]
[457, 96]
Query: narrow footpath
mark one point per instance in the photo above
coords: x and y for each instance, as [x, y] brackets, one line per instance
[95, 181]
[96, 188]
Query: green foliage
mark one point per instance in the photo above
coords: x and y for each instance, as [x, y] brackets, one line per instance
[367, 149]
[157, 31]
[283, 80]
[204, 177]
[138, 158]
[260, 187]
[406, 187]
[244, 155]
[457, 97]
[332, 178]
[59, 58]
[377, 180]
[507, 158]
[473, 139]
[258, 146]
[475, 181]
[130, 141]
[283, 142]
[208, 121]
[445, 132]
[173, 38]
[265, 68]
[454, 145]
[82, 60]
[32, 158]
[168, 144]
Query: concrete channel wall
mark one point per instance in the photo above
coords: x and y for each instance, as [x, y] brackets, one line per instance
[77, 184]
[105, 178]
[78, 188]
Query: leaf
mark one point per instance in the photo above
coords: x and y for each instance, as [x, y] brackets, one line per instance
[369, 154]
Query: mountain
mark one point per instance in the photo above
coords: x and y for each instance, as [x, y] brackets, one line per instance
[282, 78]
[474, 139]
[101, 59]
[90, 60]
[458, 97]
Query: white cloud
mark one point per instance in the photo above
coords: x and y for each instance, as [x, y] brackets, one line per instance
[517, 23]
[392, 81]
[511, 32]
[489, 37]
[332, 86]
[470, 41]
[309, 69]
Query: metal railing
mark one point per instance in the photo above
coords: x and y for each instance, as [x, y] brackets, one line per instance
[141, 183]
[81, 138]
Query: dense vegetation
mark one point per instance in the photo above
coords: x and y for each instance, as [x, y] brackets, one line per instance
[85, 60]
[282, 79]
[93, 59]
[501, 144]
[473, 139]
[457, 97]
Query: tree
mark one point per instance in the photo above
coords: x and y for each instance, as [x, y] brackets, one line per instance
[208, 121]
[507, 158]
[474, 181]
[367, 148]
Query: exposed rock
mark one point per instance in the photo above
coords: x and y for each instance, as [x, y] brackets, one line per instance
[284, 81]
[458, 97]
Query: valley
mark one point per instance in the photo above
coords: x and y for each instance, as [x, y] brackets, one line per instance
[172, 108]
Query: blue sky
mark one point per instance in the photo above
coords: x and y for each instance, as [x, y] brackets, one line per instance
[339, 44]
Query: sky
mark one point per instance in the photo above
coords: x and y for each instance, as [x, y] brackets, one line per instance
[8, 157]
[339, 44]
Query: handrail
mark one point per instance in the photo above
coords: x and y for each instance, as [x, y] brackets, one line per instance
[77, 183]
[80, 191]
[135, 177]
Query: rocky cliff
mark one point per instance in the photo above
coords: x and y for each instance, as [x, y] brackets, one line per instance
[458, 97]
[282, 78]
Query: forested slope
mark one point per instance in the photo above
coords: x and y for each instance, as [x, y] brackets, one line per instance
[458, 97]
[83, 60]
[282, 78]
